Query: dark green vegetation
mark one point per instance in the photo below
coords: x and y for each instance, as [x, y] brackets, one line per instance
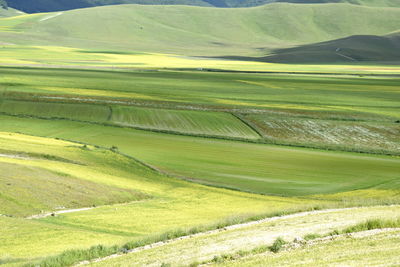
[354, 48]
[373, 224]
[3, 4]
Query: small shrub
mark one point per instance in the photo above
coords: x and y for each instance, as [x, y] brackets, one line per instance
[217, 259]
[334, 232]
[277, 245]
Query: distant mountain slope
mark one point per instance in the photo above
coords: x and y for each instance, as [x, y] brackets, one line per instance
[205, 31]
[377, 3]
[350, 49]
[58, 5]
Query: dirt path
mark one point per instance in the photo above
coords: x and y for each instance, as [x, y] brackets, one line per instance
[203, 246]
[51, 16]
[298, 244]
[54, 213]
[13, 156]
[350, 58]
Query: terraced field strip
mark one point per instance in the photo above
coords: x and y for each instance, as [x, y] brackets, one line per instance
[204, 247]
[203, 123]
[320, 96]
[250, 167]
[367, 136]
[185, 121]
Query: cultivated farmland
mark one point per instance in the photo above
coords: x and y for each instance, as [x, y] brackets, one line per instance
[158, 135]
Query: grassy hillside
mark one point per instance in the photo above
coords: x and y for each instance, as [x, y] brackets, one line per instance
[246, 240]
[32, 180]
[248, 3]
[58, 5]
[200, 31]
[71, 175]
[376, 249]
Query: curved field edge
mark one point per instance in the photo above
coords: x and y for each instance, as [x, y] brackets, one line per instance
[370, 247]
[341, 135]
[217, 157]
[209, 246]
[42, 174]
[178, 204]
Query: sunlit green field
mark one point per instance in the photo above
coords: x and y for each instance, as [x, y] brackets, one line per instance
[347, 95]
[180, 121]
[123, 126]
[153, 136]
[75, 174]
[250, 167]
[205, 248]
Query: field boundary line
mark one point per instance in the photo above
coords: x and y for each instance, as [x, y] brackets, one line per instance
[259, 141]
[249, 124]
[54, 213]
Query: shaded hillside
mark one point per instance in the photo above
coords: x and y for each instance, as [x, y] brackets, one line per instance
[3, 4]
[350, 49]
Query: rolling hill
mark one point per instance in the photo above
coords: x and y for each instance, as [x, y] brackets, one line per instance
[59, 5]
[200, 31]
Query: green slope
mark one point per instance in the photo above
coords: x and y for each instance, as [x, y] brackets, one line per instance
[248, 3]
[58, 5]
[201, 31]
[372, 249]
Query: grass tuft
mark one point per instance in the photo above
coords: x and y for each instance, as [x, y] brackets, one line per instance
[277, 245]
